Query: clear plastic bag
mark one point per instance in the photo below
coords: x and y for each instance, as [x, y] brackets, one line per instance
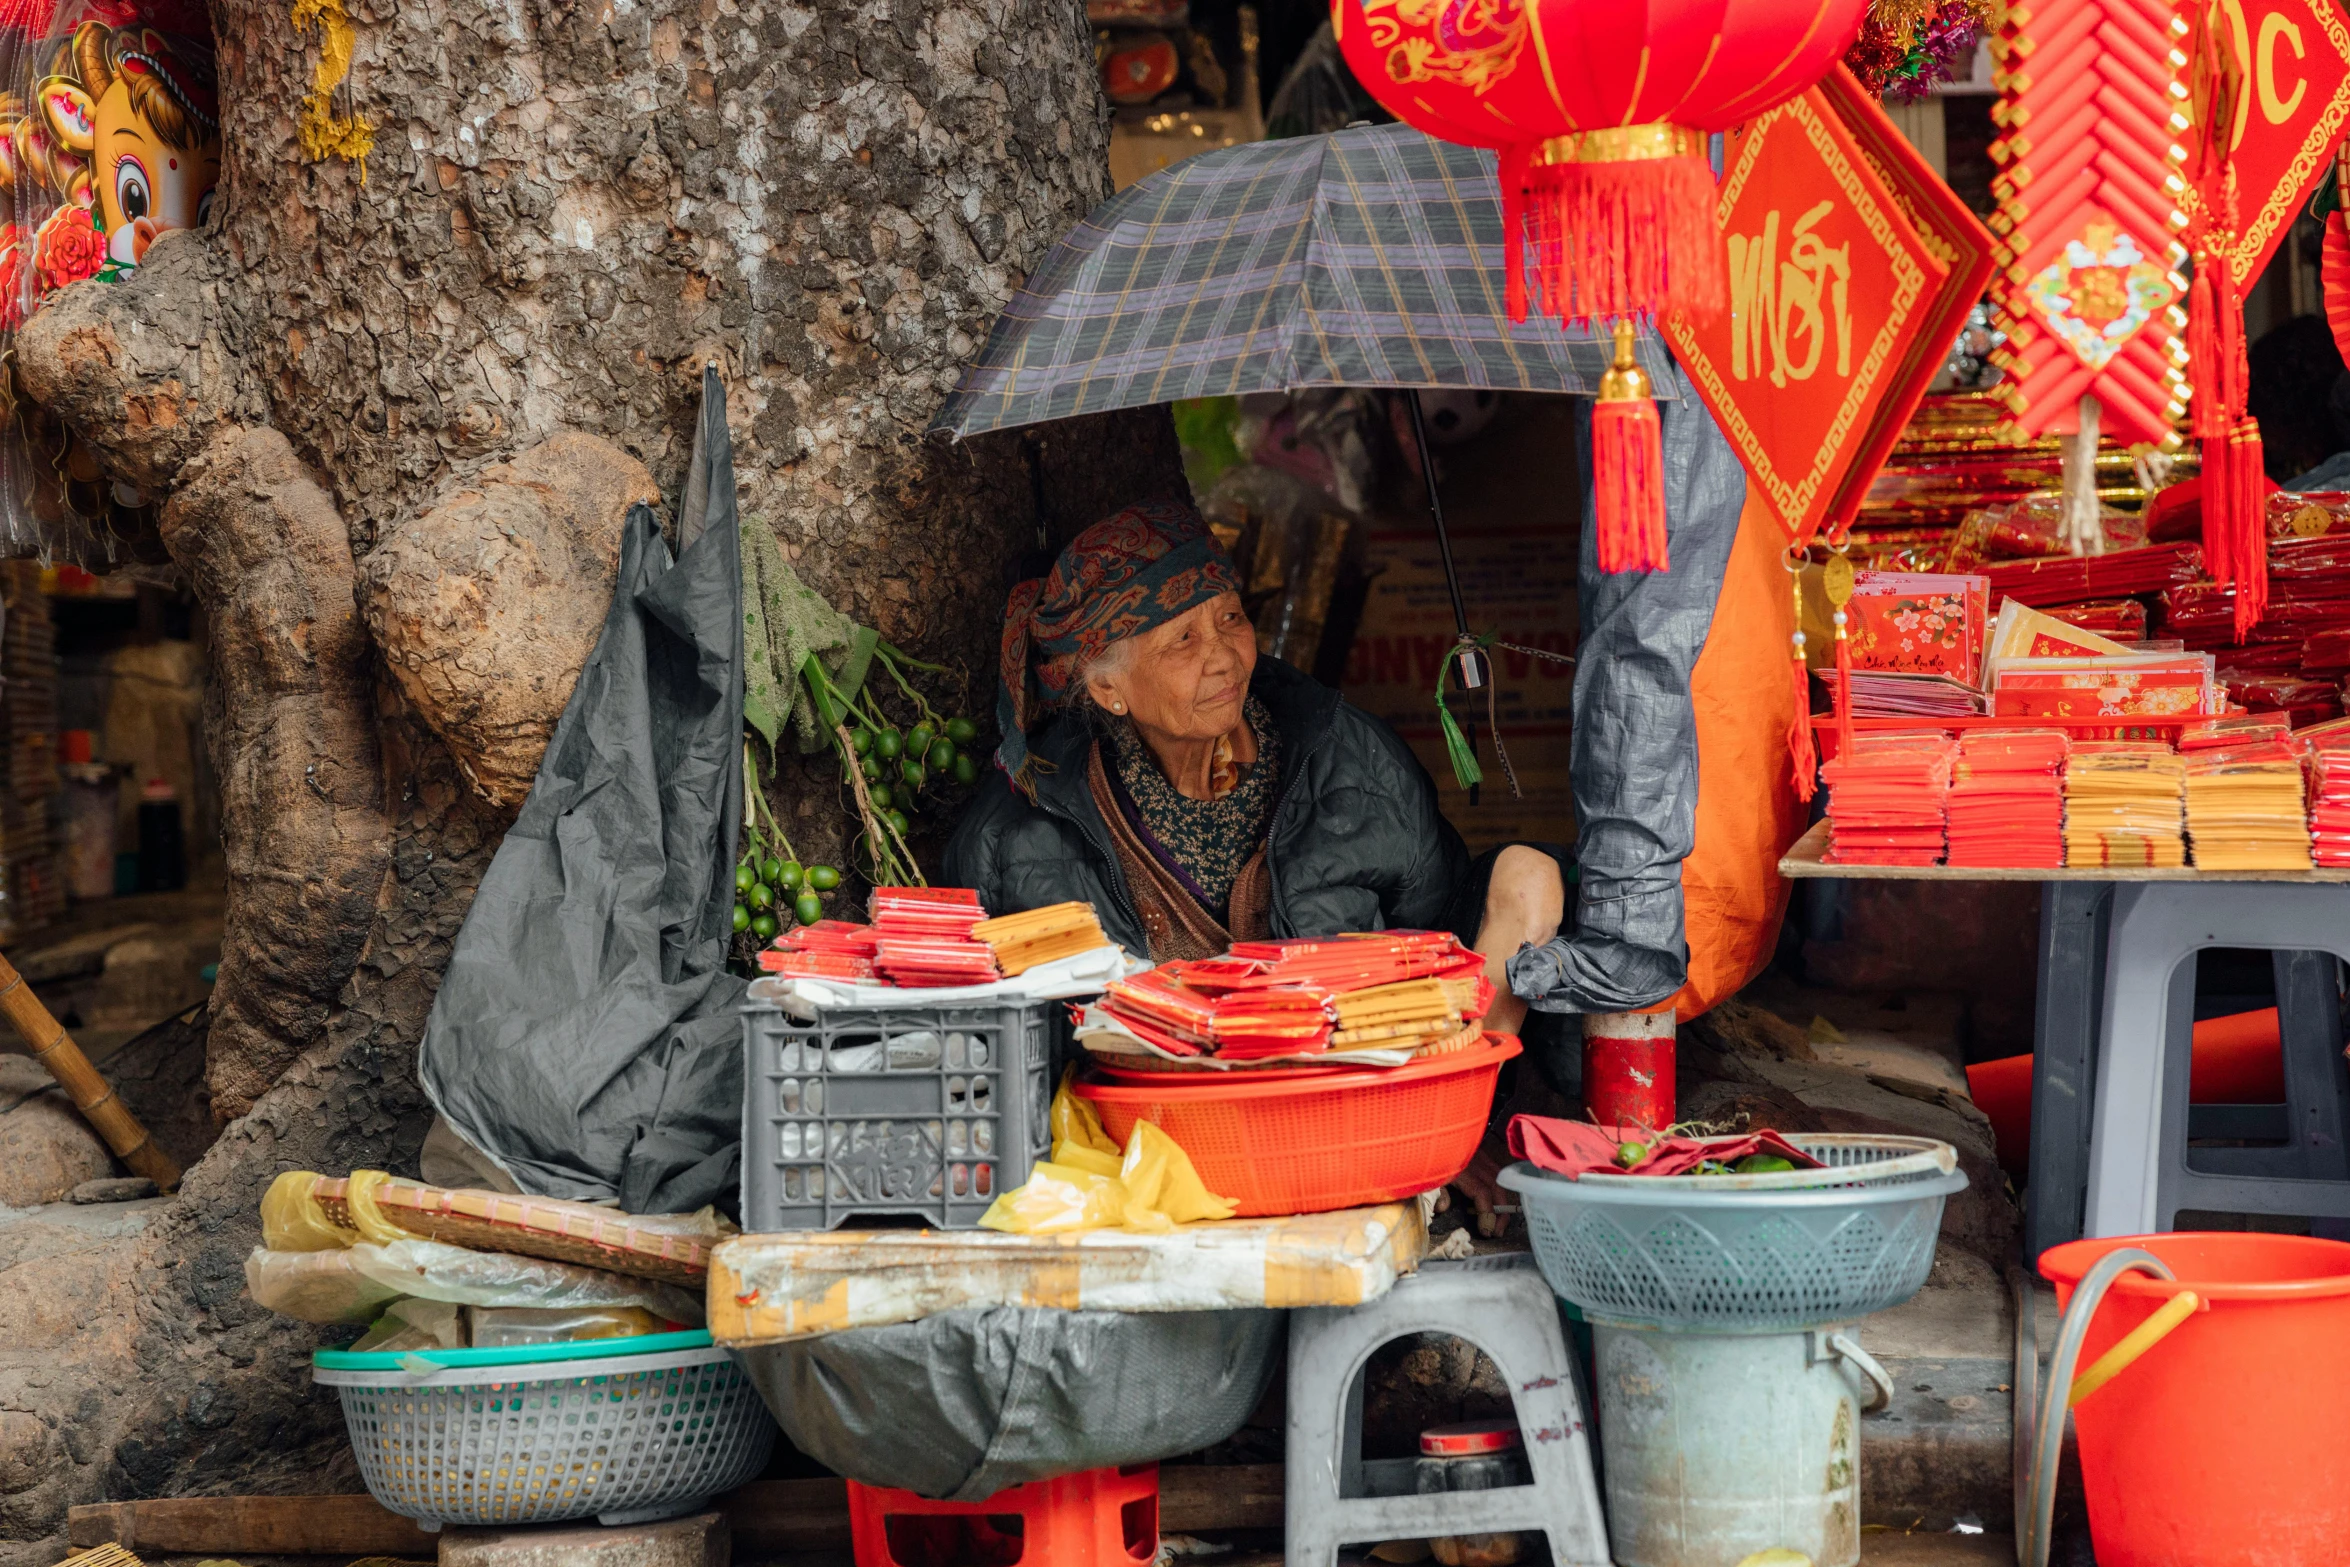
[413, 1325]
[354, 1283]
[510, 1327]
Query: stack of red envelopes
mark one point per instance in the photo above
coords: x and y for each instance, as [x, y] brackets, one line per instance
[1284, 998]
[2329, 805]
[2007, 798]
[923, 937]
[1886, 799]
[828, 949]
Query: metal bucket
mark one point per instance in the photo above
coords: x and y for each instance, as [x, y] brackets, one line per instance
[1720, 1445]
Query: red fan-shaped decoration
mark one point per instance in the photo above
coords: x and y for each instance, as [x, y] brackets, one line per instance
[2334, 270]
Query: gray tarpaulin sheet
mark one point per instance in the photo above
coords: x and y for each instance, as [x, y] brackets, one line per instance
[1635, 757]
[585, 1037]
[962, 1404]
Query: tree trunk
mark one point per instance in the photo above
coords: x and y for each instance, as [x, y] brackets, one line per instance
[569, 209]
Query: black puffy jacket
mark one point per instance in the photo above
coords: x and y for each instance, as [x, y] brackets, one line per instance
[1357, 841]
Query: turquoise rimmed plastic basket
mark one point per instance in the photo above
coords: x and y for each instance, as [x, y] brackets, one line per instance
[621, 1430]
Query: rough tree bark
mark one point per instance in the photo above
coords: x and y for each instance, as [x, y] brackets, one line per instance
[570, 208]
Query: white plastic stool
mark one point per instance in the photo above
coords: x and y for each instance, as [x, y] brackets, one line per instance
[1499, 1304]
[2140, 1169]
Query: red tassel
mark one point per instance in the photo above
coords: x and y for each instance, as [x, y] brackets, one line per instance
[1843, 686]
[1800, 750]
[2247, 498]
[1617, 239]
[1628, 482]
[1513, 227]
[2210, 416]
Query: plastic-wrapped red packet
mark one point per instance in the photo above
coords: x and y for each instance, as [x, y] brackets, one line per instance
[831, 936]
[818, 965]
[923, 897]
[2210, 734]
[1159, 996]
[1149, 1029]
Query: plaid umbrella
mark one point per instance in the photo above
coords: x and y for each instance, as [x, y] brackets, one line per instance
[1368, 257]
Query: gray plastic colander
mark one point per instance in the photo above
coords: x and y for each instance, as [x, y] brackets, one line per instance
[1745, 1254]
[624, 1430]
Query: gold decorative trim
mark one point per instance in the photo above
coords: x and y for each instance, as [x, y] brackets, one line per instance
[1622, 144]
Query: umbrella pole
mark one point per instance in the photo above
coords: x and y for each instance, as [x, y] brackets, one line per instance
[1472, 665]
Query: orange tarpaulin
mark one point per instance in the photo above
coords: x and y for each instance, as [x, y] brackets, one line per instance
[1732, 893]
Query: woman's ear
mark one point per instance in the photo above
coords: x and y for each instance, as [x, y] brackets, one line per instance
[1105, 693]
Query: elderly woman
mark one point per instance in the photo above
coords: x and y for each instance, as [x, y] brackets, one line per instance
[1196, 795]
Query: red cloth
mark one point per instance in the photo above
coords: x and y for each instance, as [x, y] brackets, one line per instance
[1577, 1148]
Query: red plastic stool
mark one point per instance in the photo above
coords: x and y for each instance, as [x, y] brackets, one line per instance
[1099, 1518]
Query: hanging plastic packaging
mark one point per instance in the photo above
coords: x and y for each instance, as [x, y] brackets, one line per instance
[109, 137]
[291, 1221]
[355, 1283]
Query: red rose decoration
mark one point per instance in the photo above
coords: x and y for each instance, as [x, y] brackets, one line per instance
[68, 248]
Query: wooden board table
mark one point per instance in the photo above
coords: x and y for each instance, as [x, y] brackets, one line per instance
[2071, 1018]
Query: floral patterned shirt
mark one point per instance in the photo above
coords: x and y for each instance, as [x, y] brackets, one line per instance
[1208, 841]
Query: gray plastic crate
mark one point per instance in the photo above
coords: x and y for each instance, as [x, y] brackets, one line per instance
[929, 1111]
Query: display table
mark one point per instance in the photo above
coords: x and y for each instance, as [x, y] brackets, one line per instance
[2114, 1040]
[765, 1289]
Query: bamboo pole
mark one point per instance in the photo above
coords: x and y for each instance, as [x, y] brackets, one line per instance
[54, 1048]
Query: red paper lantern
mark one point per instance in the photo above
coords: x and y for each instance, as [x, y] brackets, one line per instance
[1601, 111]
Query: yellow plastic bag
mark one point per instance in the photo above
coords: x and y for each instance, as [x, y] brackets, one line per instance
[1151, 1188]
[291, 1221]
[359, 1197]
[1058, 1199]
[1091, 1160]
[1075, 1124]
[1159, 1178]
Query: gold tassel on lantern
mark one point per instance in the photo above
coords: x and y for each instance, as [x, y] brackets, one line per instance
[1628, 465]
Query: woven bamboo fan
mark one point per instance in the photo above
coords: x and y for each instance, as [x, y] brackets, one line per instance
[532, 1227]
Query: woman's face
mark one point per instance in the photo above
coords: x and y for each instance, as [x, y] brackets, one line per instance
[1187, 679]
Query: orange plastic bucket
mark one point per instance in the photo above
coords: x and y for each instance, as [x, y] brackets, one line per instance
[2222, 1445]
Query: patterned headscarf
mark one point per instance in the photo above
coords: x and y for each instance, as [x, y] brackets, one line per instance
[1119, 578]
